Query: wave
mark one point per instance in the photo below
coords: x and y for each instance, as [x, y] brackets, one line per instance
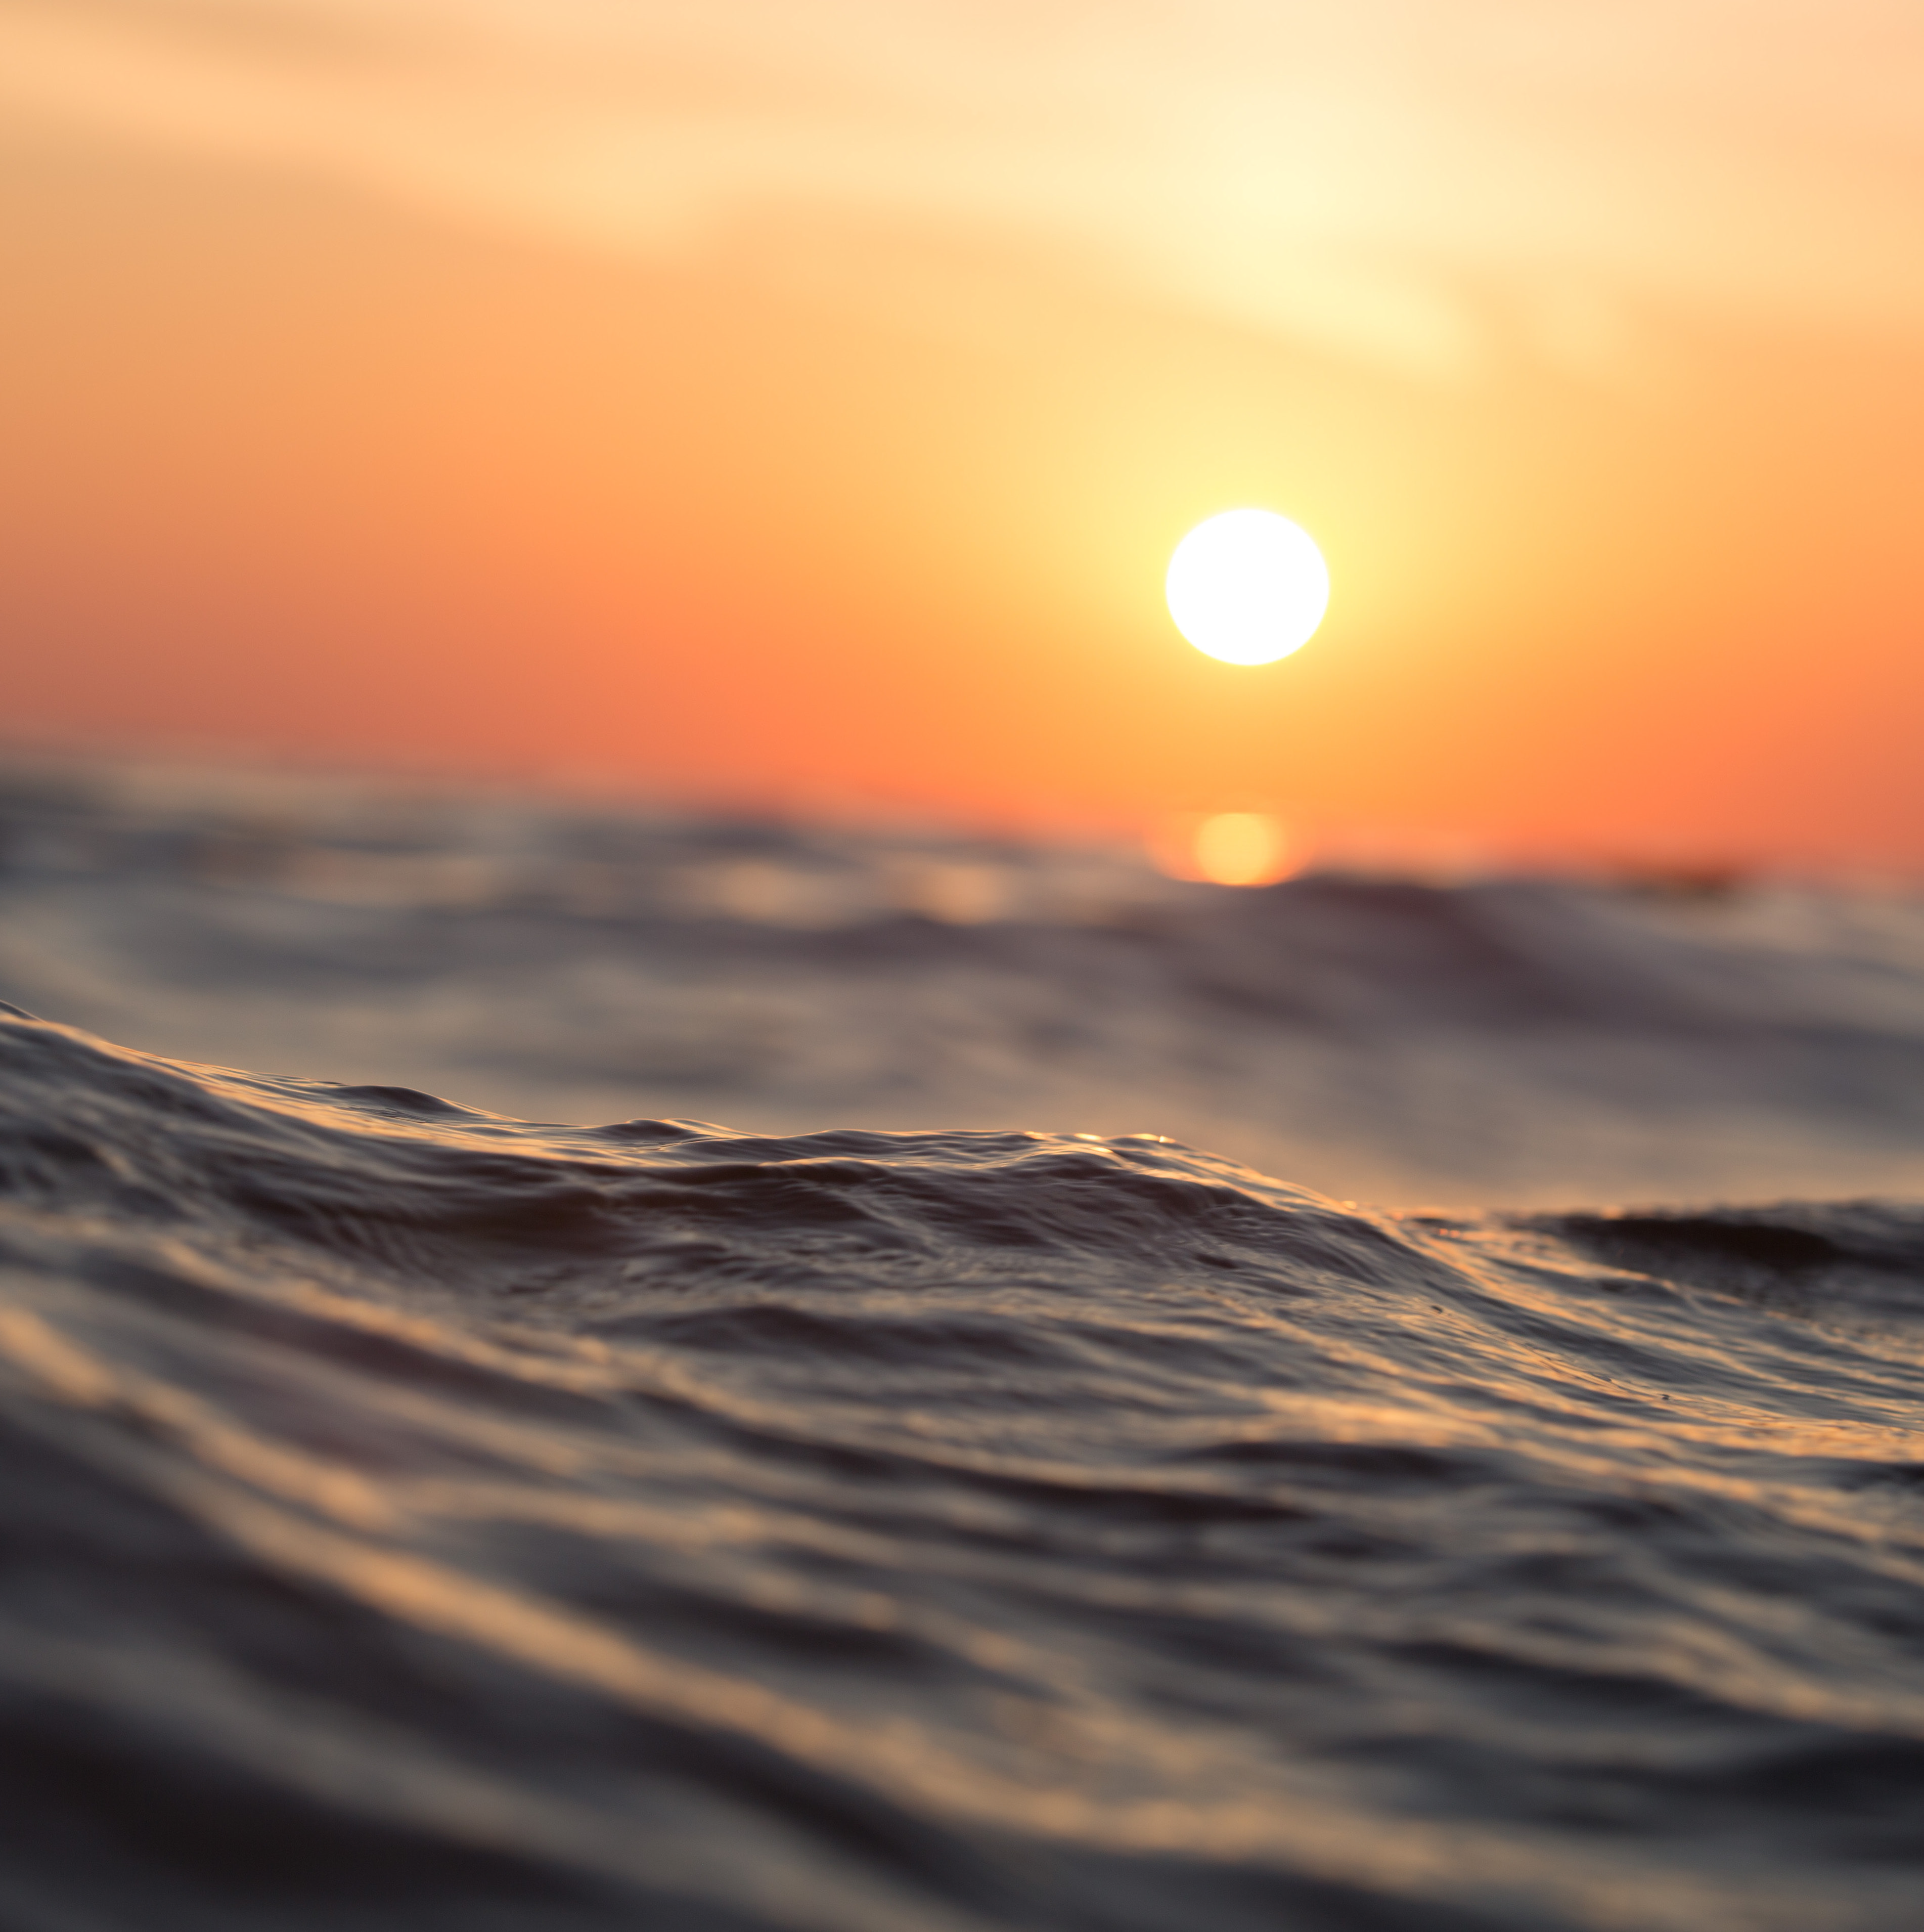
[1542, 1042]
[417, 1516]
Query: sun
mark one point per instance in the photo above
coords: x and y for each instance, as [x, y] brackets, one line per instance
[1247, 586]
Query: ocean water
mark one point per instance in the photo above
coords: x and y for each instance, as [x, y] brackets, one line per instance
[1521, 1041]
[413, 1516]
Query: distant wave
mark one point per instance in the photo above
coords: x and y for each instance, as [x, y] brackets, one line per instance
[414, 1517]
[1549, 1043]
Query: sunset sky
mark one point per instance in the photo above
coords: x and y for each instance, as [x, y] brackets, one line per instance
[800, 404]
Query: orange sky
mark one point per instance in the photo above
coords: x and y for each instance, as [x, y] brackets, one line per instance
[802, 403]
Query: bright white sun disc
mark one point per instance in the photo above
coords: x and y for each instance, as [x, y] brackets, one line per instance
[1247, 586]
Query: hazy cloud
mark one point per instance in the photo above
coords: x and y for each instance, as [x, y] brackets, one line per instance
[1373, 177]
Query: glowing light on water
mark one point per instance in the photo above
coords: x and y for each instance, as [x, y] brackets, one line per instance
[1227, 848]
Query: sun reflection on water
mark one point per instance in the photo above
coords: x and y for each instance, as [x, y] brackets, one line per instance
[1227, 848]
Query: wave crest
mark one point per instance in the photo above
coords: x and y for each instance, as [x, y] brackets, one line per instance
[419, 1517]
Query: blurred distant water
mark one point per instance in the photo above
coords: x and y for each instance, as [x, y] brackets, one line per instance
[1521, 1040]
[940, 1500]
